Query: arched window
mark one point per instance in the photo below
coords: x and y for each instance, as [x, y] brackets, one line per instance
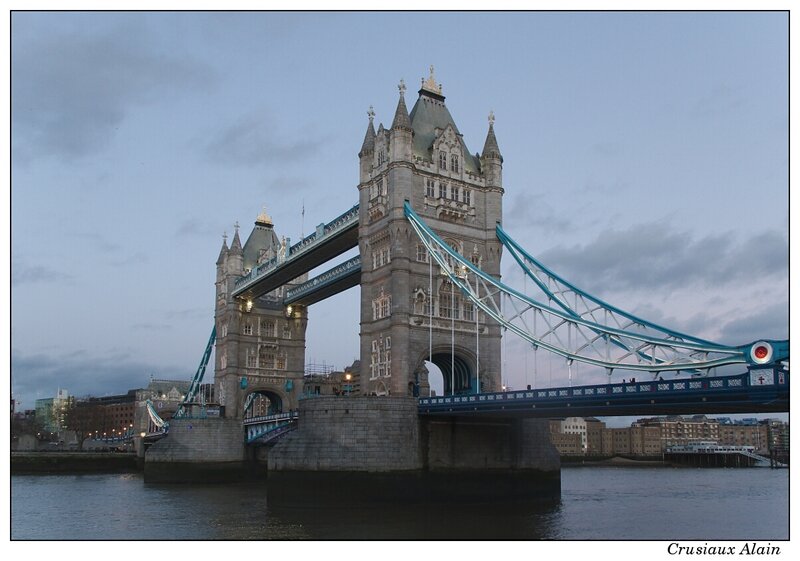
[454, 163]
[442, 160]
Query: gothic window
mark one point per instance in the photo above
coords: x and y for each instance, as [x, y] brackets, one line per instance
[422, 253]
[380, 257]
[442, 190]
[467, 197]
[454, 163]
[280, 363]
[251, 359]
[224, 329]
[475, 259]
[223, 362]
[443, 160]
[469, 311]
[381, 157]
[248, 328]
[267, 328]
[430, 188]
[388, 343]
[382, 306]
[449, 301]
[454, 192]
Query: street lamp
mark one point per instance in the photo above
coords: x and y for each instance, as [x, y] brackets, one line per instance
[348, 377]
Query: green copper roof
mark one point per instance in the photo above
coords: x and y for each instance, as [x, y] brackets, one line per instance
[428, 114]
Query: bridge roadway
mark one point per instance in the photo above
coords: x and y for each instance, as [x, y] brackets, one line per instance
[720, 394]
[329, 240]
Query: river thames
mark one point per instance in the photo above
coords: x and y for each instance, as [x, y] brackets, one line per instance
[596, 503]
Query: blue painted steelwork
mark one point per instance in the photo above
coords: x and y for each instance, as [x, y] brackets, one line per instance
[349, 267]
[593, 343]
[267, 428]
[155, 417]
[601, 312]
[194, 387]
[740, 393]
[343, 222]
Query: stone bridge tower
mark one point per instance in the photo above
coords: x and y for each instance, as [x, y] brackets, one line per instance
[260, 347]
[423, 159]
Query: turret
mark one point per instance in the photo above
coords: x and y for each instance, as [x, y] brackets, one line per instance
[235, 265]
[491, 159]
[401, 133]
[367, 149]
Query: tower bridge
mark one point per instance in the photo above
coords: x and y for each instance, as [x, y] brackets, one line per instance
[428, 228]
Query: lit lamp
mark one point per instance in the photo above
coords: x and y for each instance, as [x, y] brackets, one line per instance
[348, 377]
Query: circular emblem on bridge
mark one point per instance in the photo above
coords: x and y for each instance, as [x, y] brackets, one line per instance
[761, 352]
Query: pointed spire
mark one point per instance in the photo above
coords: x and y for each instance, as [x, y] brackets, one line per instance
[369, 138]
[430, 85]
[236, 244]
[224, 250]
[490, 148]
[401, 120]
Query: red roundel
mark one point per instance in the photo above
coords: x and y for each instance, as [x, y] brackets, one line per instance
[761, 352]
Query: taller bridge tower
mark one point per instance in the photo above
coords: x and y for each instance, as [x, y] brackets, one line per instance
[410, 313]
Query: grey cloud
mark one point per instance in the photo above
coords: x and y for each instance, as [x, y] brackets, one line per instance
[253, 141]
[70, 92]
[770, 323]
[531, 210]
[21, 273]
[654, 255]
[80, 374]
[99, 242]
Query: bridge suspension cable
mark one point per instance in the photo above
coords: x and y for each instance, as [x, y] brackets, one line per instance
[618, 343]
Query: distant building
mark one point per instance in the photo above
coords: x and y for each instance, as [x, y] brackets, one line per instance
[51, 411]
[748, 432]
[567, 444]
[677, 430]
[165, 395]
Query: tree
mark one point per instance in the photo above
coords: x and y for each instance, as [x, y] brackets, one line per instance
[85, 417]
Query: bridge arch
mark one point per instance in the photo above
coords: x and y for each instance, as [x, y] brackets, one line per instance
[458, 370]
[266, 400]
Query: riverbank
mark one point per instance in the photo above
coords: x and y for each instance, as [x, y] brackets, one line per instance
[614, 461]
[73, 462]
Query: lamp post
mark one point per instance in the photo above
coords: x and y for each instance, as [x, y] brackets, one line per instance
[348, 386]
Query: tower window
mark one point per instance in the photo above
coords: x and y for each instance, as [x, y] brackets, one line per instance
[454, 163]
[381, 157]
[430, 188]
[467, 197]
[248, 328]
[443, 160]
[454, 192]
[442, 190]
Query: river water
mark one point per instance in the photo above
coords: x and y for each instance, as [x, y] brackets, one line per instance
[596, 503]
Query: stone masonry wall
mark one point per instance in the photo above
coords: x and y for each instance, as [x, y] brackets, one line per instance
[485, 444]
[366, 434]
[199, 441]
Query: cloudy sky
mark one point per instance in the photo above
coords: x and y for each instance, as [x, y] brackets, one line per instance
[646, 160]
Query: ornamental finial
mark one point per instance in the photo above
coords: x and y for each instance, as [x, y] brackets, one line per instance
[224, 237]
[431, 85]
[236, 226]
[402, 87]
[491, 117]
[264, 218]
[371, 113]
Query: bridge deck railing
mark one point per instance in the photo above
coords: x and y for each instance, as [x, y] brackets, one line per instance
[323, 232]
[605, 390]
